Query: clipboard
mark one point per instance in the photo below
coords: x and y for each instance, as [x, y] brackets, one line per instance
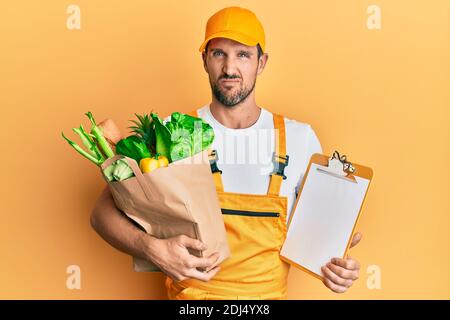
[326, 212]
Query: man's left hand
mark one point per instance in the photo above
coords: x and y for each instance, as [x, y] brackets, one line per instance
[339, 274]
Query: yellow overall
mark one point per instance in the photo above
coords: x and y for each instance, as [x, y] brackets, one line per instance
[256, 230]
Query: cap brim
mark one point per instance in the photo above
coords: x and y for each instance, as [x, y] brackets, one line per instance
[232, 35]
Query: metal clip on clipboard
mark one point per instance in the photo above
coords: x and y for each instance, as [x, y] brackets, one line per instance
[339, 167]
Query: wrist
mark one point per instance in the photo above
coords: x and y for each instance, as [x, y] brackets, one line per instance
[146, 245]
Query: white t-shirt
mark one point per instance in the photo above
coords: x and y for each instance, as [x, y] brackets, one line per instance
[245, 155]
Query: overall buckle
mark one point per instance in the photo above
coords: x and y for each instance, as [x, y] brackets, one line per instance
[213, 158]
[279, 166]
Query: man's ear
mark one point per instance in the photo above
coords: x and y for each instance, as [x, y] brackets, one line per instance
[262, 62]
[204, 56]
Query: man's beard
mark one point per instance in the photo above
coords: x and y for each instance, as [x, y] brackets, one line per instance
[233, 100]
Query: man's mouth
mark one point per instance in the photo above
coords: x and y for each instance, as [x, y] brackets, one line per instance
[230, 81]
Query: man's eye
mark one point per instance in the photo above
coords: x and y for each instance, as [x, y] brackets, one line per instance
[243, 55]
[217, 53]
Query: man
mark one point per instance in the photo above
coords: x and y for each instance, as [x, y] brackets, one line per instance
[262, 160]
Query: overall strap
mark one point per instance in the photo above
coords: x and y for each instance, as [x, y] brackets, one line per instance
[217, 174]
[280, 158]
[193, 113]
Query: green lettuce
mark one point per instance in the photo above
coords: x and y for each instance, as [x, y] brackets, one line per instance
[182, 136]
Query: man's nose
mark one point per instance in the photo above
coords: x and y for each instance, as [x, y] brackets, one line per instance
[229, 67]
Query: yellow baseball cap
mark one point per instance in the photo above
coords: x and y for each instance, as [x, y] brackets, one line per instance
[237, 24]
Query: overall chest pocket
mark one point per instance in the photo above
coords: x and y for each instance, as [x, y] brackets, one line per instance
[255, 231]
[253, 237]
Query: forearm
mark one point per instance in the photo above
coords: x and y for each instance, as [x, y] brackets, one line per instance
[117, 229]
[170, 255]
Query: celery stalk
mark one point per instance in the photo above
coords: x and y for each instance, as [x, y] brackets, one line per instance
[97, 132]
[83, 152]
[89, 143]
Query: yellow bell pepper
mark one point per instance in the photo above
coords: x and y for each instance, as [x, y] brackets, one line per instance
[162, 161]
[149, 164]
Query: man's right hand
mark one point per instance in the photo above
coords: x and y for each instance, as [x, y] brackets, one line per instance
[173, 258]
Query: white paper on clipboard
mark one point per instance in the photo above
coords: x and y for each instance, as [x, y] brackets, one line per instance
[323, 220]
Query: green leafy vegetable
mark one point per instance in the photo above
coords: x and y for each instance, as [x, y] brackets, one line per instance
[163, 138]
[133, 147]
[181, 137]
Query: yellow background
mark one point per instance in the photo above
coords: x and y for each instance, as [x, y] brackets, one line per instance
[381, 96]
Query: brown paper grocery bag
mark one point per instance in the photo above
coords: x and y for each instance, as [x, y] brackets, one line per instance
[171, 201]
